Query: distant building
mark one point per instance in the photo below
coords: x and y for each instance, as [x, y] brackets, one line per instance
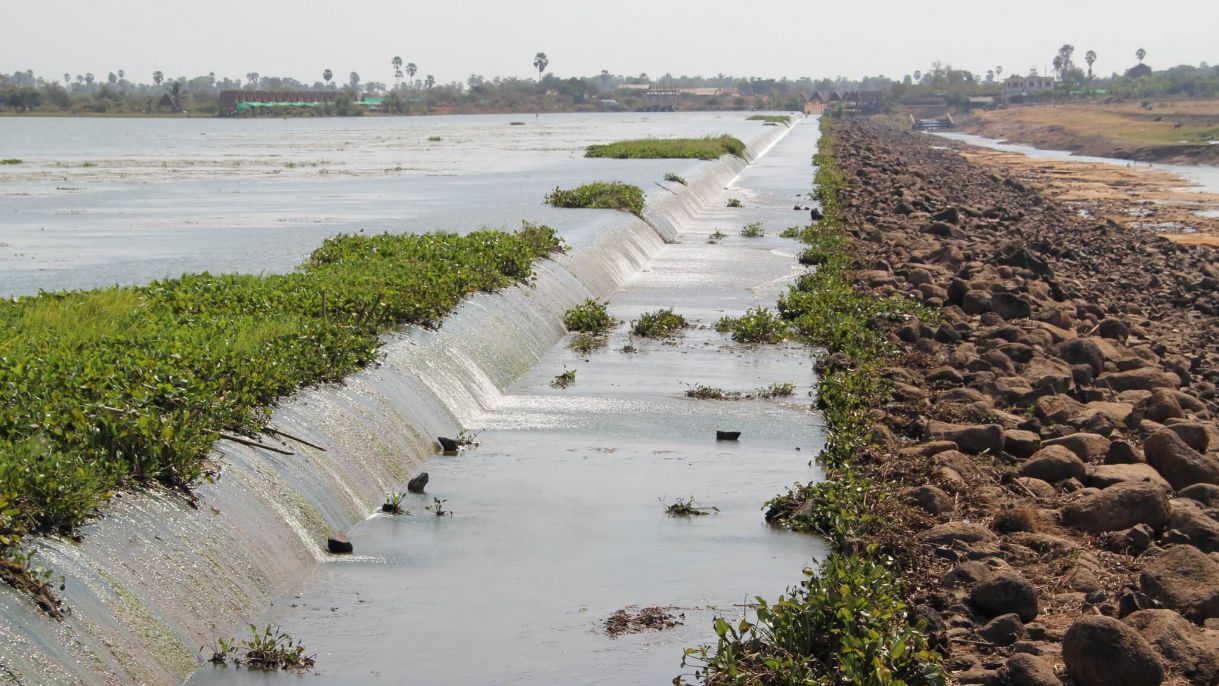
[1027, 85]
[236, 102]
[981, 102]
[167, 103]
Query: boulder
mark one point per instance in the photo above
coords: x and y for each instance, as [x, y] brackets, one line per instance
[1081, 351]
[1039, 488]
[1187, 517]
[1195, 434]
[1184, 579]
[1134, 540]
[1046, 372]
[1141, 379]
[930, 498]
[1183, 647]
[1123, 452]
[417, 484]
[1102, 651]
[1023, 669]
[1118, 413]
[1118, 507]
[960, 463]
[1160, 406]
[1004, 592]
[1053, 464]
[1055, 409]
[1004, 630]
[1010, 306]
[1180, 464]
[970, 438]
[951, 532]
[1020, 443]
[1207, 494]
[1089, 447]
[1106, 475]
[339, 544]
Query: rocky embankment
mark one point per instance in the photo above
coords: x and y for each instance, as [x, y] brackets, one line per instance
[1055, 429]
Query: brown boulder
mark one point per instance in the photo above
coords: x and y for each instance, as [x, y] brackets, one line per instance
[1053, 464]
[1106, 475]
[1081, 351]
[1023, 669]
[1141, 379]
[1118, 507]
[1088, 447]
[1188, 518]
[1180, 464]
[952, 532]
[1184, 579]
[1020, 443]
[929, 498]
[1101, 651]
[970, 438]
[1056, 409]
[1160, 406]
[1186, 649]
[1006, 591]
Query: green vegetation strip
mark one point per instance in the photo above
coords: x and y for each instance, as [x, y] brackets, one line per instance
[708, 148]
[612, 195]
[846, 623]
[121, 386]
[770, 118]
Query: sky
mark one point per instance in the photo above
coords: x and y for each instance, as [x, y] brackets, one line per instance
[452, 39]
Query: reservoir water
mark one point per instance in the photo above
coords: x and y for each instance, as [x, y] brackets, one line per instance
[557, 513]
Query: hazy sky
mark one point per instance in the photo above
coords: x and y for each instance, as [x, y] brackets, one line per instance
[452, 39]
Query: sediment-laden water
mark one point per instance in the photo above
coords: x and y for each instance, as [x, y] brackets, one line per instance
[557, 519]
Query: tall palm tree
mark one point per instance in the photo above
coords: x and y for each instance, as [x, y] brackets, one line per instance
[411, 69]
[354, 80]
[67, 78]
[429, 81]
[326, 76]
[397, 63]
[1090, 58]
[252, 77]
[540, 62]
[999, 71]
[1140, 53]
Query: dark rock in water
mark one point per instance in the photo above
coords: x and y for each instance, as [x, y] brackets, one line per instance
[339, 544]
[816, 214]
[727, 435]
[447, 444]
[389, 508]
[417, 484]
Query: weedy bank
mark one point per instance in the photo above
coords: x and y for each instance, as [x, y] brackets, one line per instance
[126, 386]
[709, 148]
[846, 622]
[602, 195]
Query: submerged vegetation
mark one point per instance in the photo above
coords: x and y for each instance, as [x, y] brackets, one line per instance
[675, 178]
[757, 325]
[567, 378]
[708, 148]
[126, 386]
[734, 202]
[658, 324]
[846, 622]
[590, 316]
[753, 230]
[687, 508]
[270, 649]
[770, 118]
[716, 236]
[612, 195]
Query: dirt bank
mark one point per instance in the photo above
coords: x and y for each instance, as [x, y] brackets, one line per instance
[1055, 426]
[1178, 132]
[1137, 198]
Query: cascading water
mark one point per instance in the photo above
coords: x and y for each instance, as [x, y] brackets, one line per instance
[156, 578]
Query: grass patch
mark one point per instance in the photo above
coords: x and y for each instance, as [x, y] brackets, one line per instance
[12, 160]
[516, 123]
[611, 195]
[846, 622]
[708, 148]
[776, 390]
[733, 202]
[586, 343]
[675, 178]
[434, 139]
[124, 386]
[758, 325]
[716, 237]
[701, 392]
[658, 324]
[791, 232]
[589, 316]
[770, 118]
[753, 230]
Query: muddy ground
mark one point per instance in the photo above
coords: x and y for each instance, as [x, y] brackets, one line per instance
[1053, 431]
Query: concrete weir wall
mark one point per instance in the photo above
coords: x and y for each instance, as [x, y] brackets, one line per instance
[155, 579]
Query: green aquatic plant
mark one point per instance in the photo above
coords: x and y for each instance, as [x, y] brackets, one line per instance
[675, 178]
[12, 160]
[716, 237]
[659, 324]
[776, 390]
[567, 378]
[393, 503]
[708, 148]
[434, 139]
[271, 649]
[590, 316]
[734, 202]
[770, 118]
[437, 508]
[600, 195]
[758, 325]
[124, 386]
[701, 392]
[753, 230]
[686, 508]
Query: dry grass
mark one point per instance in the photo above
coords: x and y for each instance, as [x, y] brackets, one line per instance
[1123, 125]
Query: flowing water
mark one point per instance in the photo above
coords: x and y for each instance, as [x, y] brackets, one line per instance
[557, 519]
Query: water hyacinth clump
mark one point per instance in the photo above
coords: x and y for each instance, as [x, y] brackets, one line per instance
[708, 148]
[612, 195]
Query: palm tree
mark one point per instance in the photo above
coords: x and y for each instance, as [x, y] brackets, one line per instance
[326, 76]
[89, 79]
[1140, 53]
[112, 78]
[354, 79]
[999, 71]
[397, 64]
[252, 77]
[1090, 58]
[429, 81]
[122, 74]
[67, 78]
[411, 69]
[540, 62]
